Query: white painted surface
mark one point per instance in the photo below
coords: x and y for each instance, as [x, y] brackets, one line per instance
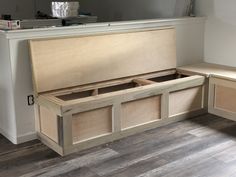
[7, 106]
[17, 118]
[220, 30]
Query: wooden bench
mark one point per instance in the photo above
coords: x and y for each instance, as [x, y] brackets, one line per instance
[95, 89]
[222, 87]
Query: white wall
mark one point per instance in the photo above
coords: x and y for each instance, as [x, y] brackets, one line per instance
[18, 8]
[220, 30]
[106, 10]
[113, 10]
[117, 10]
[7, 106]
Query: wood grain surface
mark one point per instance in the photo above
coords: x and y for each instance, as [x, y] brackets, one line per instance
[66, 62]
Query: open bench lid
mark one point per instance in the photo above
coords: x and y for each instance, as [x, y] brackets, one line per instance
[59, 63]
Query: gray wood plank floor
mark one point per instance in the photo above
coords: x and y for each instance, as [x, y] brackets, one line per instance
[204, 146]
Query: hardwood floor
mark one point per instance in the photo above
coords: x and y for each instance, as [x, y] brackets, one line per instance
[204, 146]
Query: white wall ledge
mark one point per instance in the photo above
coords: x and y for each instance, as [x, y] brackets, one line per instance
[99, 27]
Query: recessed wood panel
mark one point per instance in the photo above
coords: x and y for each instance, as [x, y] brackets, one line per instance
[48, 123]
[91, 124]
[67, 62]
[185, 101]
[140, 111]
[225, 98]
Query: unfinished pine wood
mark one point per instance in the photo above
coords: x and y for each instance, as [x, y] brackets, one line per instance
[91, 124]
[115, 101]
[225, 98]
[140, 112]
[185, 101]
[141, 81]
[51, 103]
[224, 104]
[90, 83]
[95, 92]
[77, 95]
[132, 94]
[165, 105]
[67, 62]
[208, 69]
[109, 83]
[48, 123]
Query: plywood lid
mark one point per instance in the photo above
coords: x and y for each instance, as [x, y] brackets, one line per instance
[59, 63]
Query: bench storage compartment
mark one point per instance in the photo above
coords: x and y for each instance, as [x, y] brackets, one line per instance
[98, 88]
[222, 94]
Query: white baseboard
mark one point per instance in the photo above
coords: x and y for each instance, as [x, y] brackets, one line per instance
[11, 138]
[26, 137]
[19, 139]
